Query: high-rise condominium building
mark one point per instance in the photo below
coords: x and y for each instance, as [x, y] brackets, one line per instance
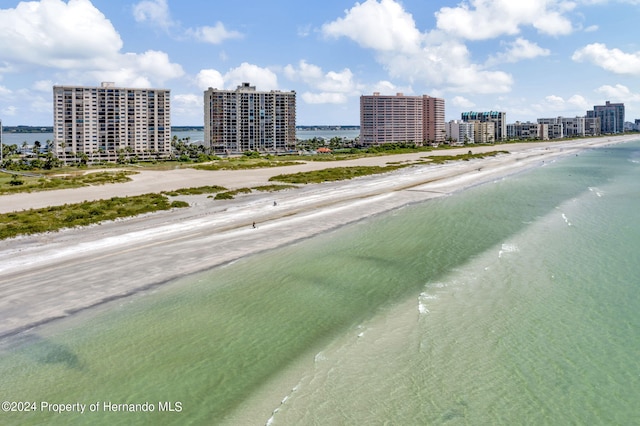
[247, 120]
[611, 117]
[498, 118]
[109, 122]
[399, 118]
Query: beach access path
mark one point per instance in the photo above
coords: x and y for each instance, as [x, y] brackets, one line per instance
[53, 275]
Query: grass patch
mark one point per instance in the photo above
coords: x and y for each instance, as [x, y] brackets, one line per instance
[333, 174]
[47, 183]
[439, 159]
[345, 173]
[195, 191]
[54, 218]
[273, 188]
[230, 195]
[244, 163]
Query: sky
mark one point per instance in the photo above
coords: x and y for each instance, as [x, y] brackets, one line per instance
[528, 58]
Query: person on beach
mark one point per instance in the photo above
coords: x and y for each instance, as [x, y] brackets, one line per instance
[254, 224]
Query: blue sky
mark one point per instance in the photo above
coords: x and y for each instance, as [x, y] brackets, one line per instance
[529, 58]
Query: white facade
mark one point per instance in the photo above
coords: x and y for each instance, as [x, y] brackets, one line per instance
[109, 122]
[460, 132]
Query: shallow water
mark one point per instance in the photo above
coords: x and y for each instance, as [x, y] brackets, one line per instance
[514, 302]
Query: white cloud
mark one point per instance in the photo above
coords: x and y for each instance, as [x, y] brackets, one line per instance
[157, 13]
[156, 64]
[382, 26]
[56, 34]
[331, 87]
[4, 91]
[43, 86]
[154, 11]
[77, 38]
[10, 111]
[518, 50]
[262, 78]
[618, 93]
[613, 60]
[554, 105]
[213, 35]
[483, 19]
[186, 106]
[324, 98]
[462, 102]
[209, 78]
[308, 73]
[591, 29]
[447, 64]
[435, 58]
[385, 87]
[312, 75]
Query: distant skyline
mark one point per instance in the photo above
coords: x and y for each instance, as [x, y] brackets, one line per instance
[530, 58]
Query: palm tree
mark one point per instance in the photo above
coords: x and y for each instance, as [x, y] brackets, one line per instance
[63, 145]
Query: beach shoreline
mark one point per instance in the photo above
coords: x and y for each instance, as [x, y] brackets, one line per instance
[53, 275]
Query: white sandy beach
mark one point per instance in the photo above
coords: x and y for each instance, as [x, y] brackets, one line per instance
[52, 275]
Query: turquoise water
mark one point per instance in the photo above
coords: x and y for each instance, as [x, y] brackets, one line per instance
[514, 302]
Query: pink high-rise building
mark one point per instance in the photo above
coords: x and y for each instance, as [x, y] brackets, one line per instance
[399, 118]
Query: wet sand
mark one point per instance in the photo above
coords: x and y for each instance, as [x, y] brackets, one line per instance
[52, 275]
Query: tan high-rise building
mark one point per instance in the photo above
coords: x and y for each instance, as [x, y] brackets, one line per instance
[247, 120]
[433, 124]
[109, 123]
[400, 118]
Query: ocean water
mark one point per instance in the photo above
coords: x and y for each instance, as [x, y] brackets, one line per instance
[514, 302]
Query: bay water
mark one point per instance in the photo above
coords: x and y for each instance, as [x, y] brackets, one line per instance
[513, 302]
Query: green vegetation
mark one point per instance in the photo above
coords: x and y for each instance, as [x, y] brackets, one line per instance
[9, 182]
[333, 174]
[244, 163]
[71, 215]
[229, 195]
[273, 188]
[439, 159]
[82, 214]
[195, 191]
[344, 173]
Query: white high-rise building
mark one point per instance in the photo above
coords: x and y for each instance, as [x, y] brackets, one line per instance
[108, 122]
[245, 119]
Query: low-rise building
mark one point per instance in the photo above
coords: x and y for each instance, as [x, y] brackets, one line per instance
[460, 132]
[555, 125]
[528, 130]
